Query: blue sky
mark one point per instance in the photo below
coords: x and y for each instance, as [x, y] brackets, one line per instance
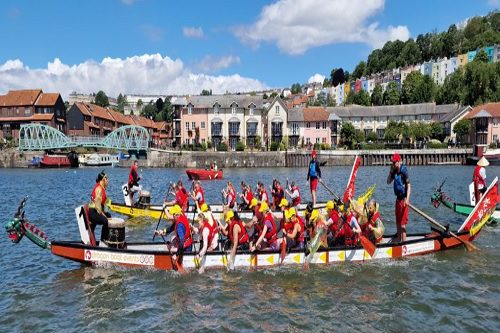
[181, 47]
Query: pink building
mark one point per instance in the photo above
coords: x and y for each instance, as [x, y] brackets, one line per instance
[317, 129]
[485, 123]
[194, 125]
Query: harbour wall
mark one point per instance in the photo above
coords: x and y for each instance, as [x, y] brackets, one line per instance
[12, 158]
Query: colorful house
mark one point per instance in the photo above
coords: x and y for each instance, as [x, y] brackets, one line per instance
[317, 129]
[485, 123]
[471, 55]
[462, 59]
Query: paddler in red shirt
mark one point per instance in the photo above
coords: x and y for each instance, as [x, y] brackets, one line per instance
[333, 223]
[479, 178]
[374, 228]
[294, 229]
[133, 181]
[246, 195]
[267, 232]
[294, 194]
[237, 233]
[181, 197]
[229, 194]
[198, 195]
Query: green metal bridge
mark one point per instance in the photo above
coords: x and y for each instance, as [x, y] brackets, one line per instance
[43, 137]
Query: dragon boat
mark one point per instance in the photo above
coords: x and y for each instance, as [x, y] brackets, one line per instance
[158, 255]
[440, 197]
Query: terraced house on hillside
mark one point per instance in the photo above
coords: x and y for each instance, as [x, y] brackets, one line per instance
[19, 107]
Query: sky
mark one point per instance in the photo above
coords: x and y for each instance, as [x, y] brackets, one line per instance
[183, 47]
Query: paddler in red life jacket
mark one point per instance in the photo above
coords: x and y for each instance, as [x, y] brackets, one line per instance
[257, 216]
[133, 181]
[350, 229]
[263, 196]
[284, 207]
[97, 203]
[294, 194]
[183, 240]
[229, 194]
[294, 229]
[479, 178]
[246, 196]
[198, 195]
[237, 233]
[267, 233]
[181, 197]
[277, 193]
[374, 228]
[209, 231]
[318, 226]
[333, 223]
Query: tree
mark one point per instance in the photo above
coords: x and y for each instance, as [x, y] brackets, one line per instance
[481, 83]
[392, 131]
[450, 41]
[347, 76]
[392, 94]
[101, 99]
[265, 96]
[410, 54]
[326, 82]
[436, 131]
[337, 77]
[159, 105]
[168, 110]
[418, 88]
[348, 133]
[362, 98]
[481, 56]
[296, 88]
[206, 92]
[360, 70]
[149, 111]
[372, 136]
[462, 128]
[419, 130]
[452, 90]
[424, 44]
[273, 94]
[377, 97]
[122, 102]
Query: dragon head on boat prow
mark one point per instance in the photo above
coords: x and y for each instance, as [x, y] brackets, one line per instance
[439, 196]
[18, 227]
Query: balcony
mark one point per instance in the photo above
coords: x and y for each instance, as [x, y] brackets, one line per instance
[294, 132]
[177, 133]
[234, 132]
[277, 133]
[482, 129]
[216, 132]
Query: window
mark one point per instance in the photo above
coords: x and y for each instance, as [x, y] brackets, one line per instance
[216, 109]
[190, 109]
[308, 125]
[193, 125]
[317, 125]
[495, 122]
[17, 110]
[233, 109]
[308, 141]
[27, 111]
[252, 110]
[202, 125]
[202, 140]
[295, 128]
[323, 140]
[277, 110]
[495, 138]
[380, 133]
[324, 125]
[187, 125]
[317, 140]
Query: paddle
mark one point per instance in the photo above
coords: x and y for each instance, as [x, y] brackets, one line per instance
[283, 250]
[162, 210]
[468, 245]
[329, 190]
[365, 242]
[178, 266]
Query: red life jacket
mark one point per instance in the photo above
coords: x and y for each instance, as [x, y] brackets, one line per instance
[249, 196]
[256, 212]
[366, 229]
[271, 234]
[212, 230]
[278, 195]
[182, 199]
[334, 216]
[476, 178]
[351, 238]
[132, 176]
[300, 235]
[202, 200]
[243, 235]
[187, 237]
[296, 201]
[263, 195]
[103, 191]
[233, 197]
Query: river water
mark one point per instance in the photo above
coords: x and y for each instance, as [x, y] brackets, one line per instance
[452, 291]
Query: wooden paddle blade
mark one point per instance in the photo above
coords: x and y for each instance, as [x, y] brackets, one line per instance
[283, 251]
[368, 245]
[470, 247]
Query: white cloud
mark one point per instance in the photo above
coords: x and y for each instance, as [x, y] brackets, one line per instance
[192, 32]
[211, 64]
[146, 74]
[298, 25]
[153, 33]
[316, 78]
[494, 3]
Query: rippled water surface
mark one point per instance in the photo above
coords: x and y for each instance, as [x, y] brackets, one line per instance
[445, 292]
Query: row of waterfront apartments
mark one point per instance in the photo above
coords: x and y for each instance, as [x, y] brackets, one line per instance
[438, 70]
[237, 118]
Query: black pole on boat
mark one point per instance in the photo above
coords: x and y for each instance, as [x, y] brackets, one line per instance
[468, 245]
[329, 190]
[163, 207]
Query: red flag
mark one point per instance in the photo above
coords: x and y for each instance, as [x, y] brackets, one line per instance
[349, 191]
[483, 210]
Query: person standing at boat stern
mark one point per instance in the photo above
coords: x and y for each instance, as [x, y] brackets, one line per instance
[402, 189]
[96, 206]
[479, 178]
[313, 175]
[133, 181]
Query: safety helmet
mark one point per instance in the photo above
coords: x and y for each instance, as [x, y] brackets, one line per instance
[263, 207]
[175, 210]
[204, 207]
[229, 215]
[283, 203]
[330, 205]
[314, 215]
[253, 203]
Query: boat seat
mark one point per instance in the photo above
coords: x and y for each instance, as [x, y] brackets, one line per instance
[88, 225]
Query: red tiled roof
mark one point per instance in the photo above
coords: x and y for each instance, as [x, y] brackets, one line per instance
[491, 108]
[20, 97]
[91, 124]
[35, 117]
[143, 121]
[315, 114]
[48, 99]
[120, 117]
[95, 110]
